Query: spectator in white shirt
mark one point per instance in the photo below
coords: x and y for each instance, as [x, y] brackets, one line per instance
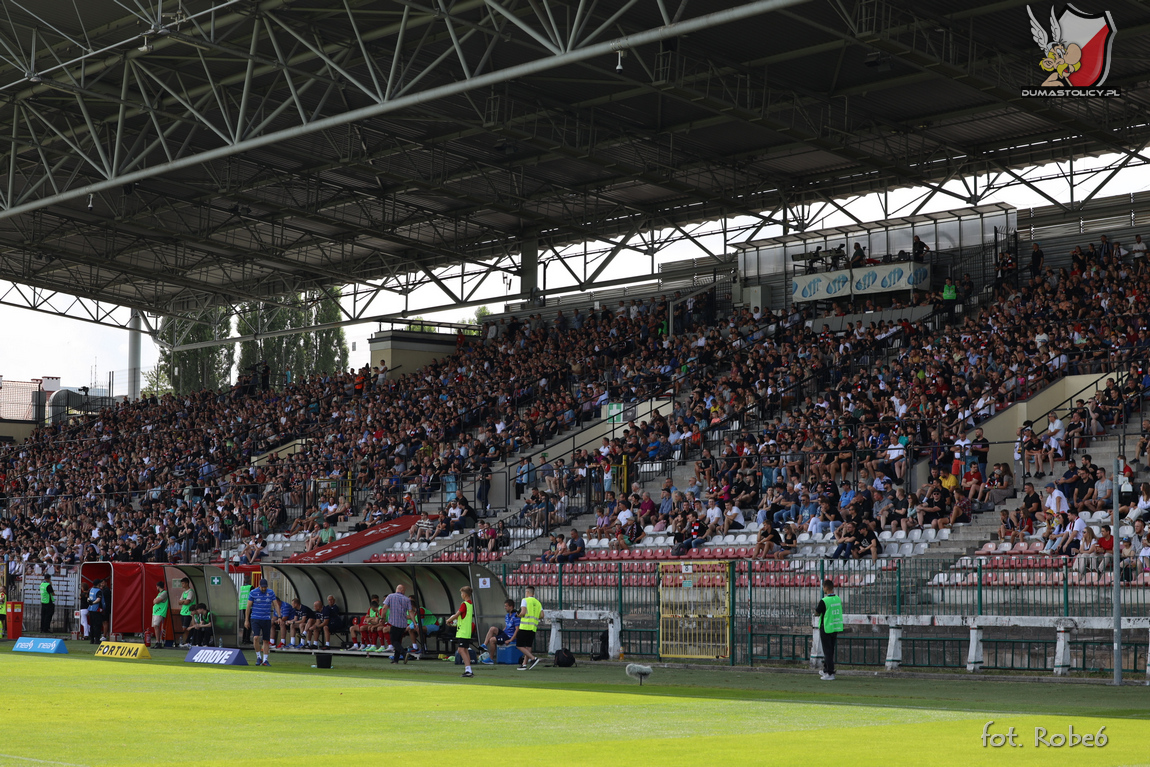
[1055, 502]
[714, 517]
[733, 518]
[1074, 539]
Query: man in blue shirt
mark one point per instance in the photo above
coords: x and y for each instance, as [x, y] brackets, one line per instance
[262, 602]
[496, 637]
[284, 624]
[846, 496]
[576, 548]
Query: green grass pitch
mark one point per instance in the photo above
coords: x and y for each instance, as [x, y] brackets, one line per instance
[81, 710]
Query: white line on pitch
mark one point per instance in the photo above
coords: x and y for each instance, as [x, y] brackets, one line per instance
[38, 761]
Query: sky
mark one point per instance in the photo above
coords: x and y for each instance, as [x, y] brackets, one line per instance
[36, 344]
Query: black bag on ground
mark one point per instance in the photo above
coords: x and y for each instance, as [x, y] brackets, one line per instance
[564, 658]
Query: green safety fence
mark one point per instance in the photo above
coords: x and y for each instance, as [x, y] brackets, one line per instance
[983, 586]
[773, 602]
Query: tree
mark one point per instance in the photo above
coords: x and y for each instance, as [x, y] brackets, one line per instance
[301, 354]
[156, 382]
[206, 368]
[417, 325]
[283, 353]
[481, 315]
[329, 354]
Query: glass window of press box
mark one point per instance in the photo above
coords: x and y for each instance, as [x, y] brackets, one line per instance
[949, 231]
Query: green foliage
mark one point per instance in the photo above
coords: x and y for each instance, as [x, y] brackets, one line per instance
[196, 369]
[156, 382]
[329, 346]
[417, 325]
[480, 317]
[301, 354]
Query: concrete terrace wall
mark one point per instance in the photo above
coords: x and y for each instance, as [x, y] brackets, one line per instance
[406, 351]
[1002, 429]
[16, 431]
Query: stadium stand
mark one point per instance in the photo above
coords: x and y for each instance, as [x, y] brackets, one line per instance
[184, 477]
[848, 397]
[786, 442]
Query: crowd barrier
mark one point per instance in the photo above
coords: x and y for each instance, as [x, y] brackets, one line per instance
[773, 603]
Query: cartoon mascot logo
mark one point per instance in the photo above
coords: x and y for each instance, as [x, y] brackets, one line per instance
[1076, 52]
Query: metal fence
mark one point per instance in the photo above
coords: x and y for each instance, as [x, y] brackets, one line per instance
[22, 401]
[775, 601]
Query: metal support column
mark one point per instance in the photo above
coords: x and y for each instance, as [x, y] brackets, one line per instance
[1117, 576]
[529, 267]
[134, 326]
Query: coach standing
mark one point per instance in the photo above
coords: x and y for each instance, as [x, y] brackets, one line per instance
[398, 613]
[47, 604]
[259, 619]
[830, 612]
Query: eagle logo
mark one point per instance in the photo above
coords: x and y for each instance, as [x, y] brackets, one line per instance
[1076, 51]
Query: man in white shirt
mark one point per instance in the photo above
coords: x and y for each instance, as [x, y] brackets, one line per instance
[713, 518]
[625, 515]
[1138, 249]
[962, 448]
[733, 518]
[1074, 541]
[1055, 502]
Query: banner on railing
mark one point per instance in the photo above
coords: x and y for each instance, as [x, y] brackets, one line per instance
[883, 278]
[348, 544]
[880, 278]
[821, 287]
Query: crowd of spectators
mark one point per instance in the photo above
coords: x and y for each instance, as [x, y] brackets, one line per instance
[171, 478]
[842, 416]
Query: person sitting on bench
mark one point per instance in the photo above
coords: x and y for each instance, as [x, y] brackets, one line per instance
[203, 626]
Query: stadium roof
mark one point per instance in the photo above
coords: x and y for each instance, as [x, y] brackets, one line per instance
[176, 156]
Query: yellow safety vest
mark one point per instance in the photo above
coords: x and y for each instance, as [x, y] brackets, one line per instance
[530, 622]
[463, 625]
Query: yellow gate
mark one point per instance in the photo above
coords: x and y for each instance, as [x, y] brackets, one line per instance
[694, 610]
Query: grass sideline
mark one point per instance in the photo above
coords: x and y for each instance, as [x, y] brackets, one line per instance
[82, 710]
